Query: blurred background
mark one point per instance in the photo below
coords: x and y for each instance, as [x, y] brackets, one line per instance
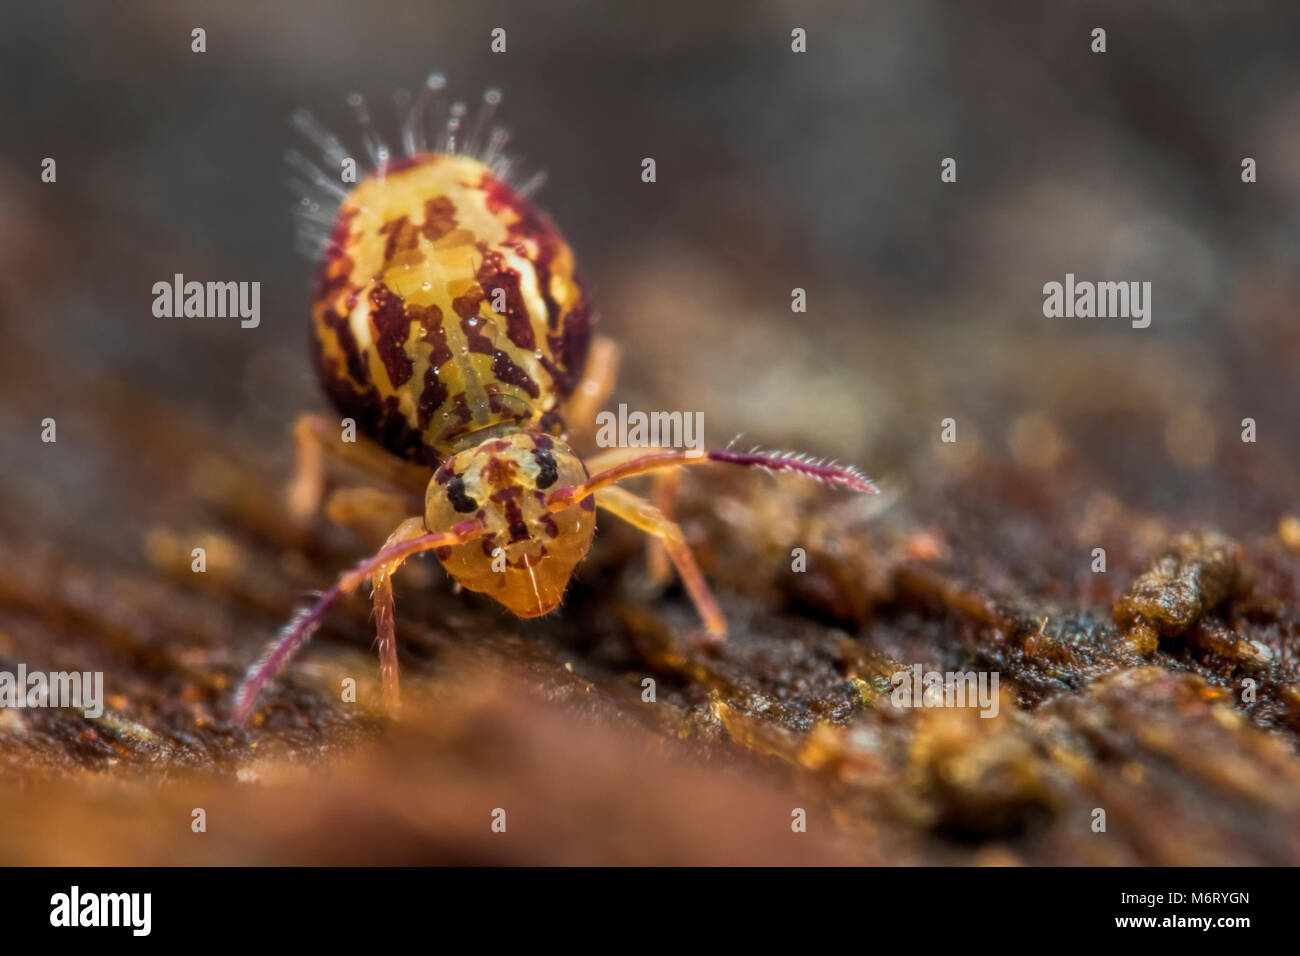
[775, 170]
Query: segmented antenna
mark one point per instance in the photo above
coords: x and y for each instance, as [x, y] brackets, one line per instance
[829, 473]
[817, 469]
[305, 623]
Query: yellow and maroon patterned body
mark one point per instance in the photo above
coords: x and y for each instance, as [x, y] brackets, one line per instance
[450, 324]
[407, 338]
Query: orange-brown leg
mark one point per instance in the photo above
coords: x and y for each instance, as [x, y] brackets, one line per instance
[316, 435]
[643, 515]
[597, 384]
[382, 583]
[370, 512]
[599, 378]
[410, 538]
[663, 492]
[618, 465]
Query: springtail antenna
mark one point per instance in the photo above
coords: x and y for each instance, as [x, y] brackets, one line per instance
[296, 633]
[830, 474]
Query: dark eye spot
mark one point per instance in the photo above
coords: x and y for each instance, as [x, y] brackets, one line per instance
[456, 495]
[546, 462]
